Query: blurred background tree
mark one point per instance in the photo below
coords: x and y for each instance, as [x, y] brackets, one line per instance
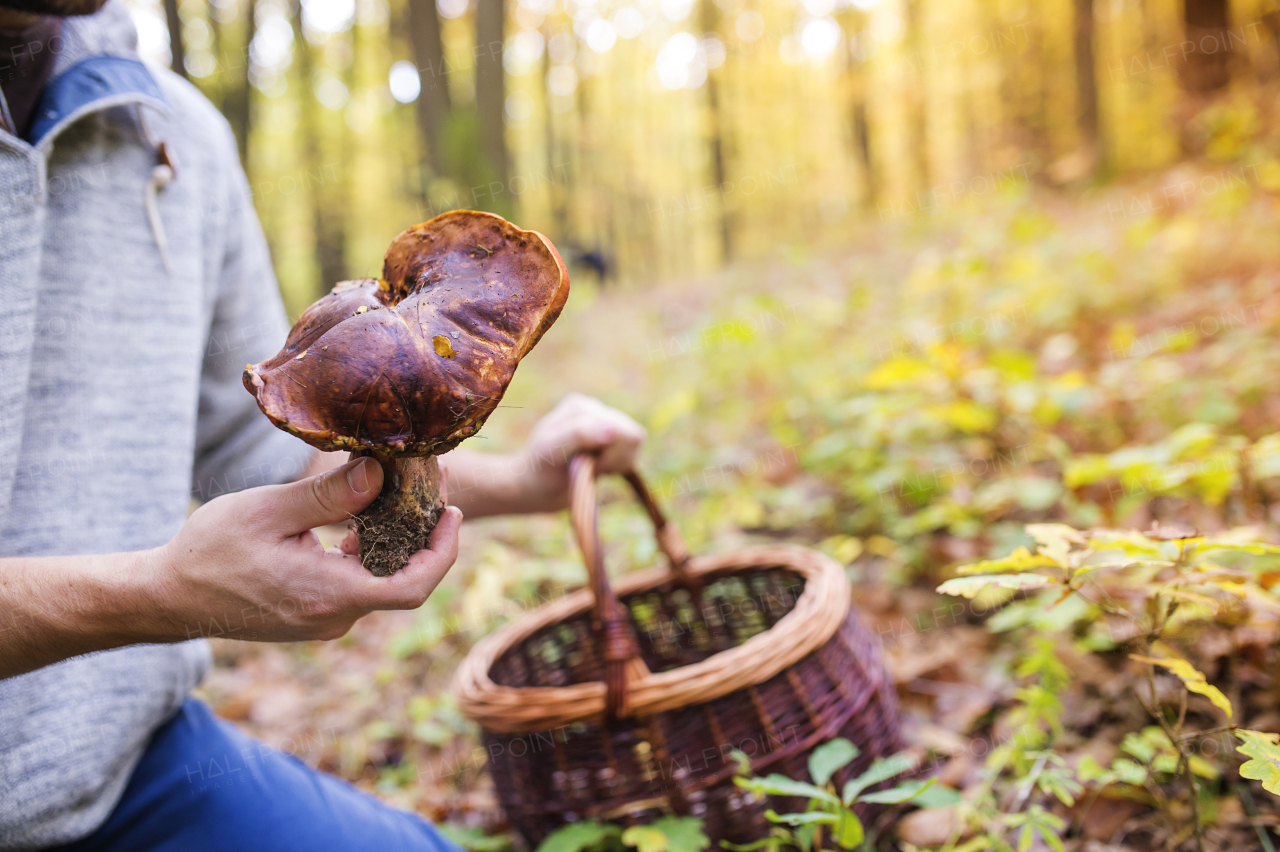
[653, 138]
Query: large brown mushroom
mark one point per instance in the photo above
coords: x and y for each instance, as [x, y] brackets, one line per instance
[406, 367]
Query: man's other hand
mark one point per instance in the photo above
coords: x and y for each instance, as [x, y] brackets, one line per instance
[578, 424]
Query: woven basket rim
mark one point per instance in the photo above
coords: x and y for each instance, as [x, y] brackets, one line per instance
[814, 619]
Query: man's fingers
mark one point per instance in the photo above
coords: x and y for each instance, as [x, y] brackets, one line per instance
[584, 424]
[350, 543]
[325, 499]
[616, 435]
[409, 587]
[620, 453]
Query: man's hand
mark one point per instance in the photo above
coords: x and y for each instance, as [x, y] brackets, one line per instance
[253, 559]
[578, 424]
[245, 566]
[537, 478]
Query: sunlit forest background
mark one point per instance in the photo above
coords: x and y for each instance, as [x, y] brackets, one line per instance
[658, 137]
[891, 279]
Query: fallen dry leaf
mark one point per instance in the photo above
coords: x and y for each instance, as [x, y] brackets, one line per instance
[928, 827]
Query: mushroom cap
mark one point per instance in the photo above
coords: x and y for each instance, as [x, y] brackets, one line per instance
[413, 363]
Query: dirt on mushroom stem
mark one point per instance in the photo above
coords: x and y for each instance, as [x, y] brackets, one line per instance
[400, 519]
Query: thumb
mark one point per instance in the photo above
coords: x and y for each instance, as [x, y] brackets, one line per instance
[329, 498]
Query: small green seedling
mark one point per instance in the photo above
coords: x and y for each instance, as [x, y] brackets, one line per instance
[829, 816]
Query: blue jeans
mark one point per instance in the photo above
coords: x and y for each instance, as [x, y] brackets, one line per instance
[203, 785]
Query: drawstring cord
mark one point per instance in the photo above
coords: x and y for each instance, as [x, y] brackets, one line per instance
[162, 174]
[6, 120]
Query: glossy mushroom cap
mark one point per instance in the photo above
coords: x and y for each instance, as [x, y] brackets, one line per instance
[414, 363]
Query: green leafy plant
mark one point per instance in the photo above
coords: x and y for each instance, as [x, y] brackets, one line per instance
[1154, 591]
[829, 820]
[473, 839]
[665, 834]
[1263, 752]
[1003, 810]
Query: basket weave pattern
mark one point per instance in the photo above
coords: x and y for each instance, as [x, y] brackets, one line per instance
[757, 651]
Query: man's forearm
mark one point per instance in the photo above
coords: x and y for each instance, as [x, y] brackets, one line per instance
[482, 484]
[479, 484]
[55, 607]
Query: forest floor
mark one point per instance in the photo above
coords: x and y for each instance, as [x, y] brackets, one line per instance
[728, 371]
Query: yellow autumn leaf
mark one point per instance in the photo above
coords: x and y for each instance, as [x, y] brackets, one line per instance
[965, 415]
[1192, 679]
[897, 371]
[675, 406]
[443, 347]
[1268, 173]
[1055, 540]
[645, 838]
[1021, 560]
[1188, 596]
[969, 587]
[1240, 590]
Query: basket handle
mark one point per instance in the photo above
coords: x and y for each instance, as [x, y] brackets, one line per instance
[621, 650]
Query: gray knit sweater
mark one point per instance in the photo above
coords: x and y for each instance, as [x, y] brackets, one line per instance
[123, 333]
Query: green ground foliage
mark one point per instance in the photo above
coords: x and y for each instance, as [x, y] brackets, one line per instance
[1060, 412]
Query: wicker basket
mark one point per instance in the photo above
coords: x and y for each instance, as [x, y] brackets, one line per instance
[626, 705]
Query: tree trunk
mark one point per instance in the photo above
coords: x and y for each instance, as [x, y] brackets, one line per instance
[1207, 66]
[862, 136]
[1086, 81]
[975, 148]
[860, 125]
[710, 20]
[1005, 113]
[238, 100]
[917, 111]
[490, 86]
[322, 180]
[433, 101]
[178, 62]
[1150, 25]
[1272, 20]
[556, 167]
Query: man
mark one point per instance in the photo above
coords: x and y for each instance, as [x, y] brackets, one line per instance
[134, 285]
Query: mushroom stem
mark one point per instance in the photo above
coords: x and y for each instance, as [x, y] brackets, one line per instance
[399, 521]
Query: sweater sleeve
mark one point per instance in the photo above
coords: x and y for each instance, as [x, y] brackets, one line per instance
[237, 447]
